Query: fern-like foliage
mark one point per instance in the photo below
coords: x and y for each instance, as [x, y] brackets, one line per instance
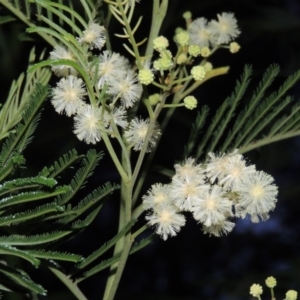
[108, 262]
[246, 122]
[19, 96]
[36, 213]
[16, 142]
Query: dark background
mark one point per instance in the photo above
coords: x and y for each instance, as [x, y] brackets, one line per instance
[192, 265]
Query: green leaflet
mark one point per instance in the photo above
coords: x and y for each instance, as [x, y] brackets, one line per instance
[55, 255]
[31, 196]
[9, 250]
[197, 126]
[105, 246]
[246, 127]
[62, 164]
[12, 143]
[33, 239]
[89, 162]
[30, 214]
[22, 279]
[107, 263]
[26, 183]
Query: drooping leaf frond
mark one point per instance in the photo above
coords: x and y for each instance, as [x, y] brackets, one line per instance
[247, 111]
[98, 268]
[94, 197]
[107, 263]
[143, 243]
[15, 141]
[96, 254]
[62, 164]
[196, 130]
[19, 96]
[85, 171]
[247, 127]
[92, 200]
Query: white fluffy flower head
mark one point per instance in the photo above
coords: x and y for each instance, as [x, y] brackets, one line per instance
[94, 36]
[220, 229]
[61, 52]
[185, 191]
[200, 33]
[258, 196]
[211, 207]
[68, 95]
[126, 87]
[111, 65]
[217, 165]
[158, 196]
[225, 29]
[166, 220]
[87, 124]
[137, 132]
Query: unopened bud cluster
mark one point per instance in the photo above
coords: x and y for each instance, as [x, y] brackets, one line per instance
[256, 290]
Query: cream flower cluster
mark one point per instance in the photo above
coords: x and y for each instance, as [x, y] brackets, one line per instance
[215, 32]
[223, 187]
[114, 80]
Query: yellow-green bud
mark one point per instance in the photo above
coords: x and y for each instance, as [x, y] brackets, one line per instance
[160, 43]
[187, 15]
[181, 59]
[182, 38]
[291, 295]
[194, 50]
[178, 30]
[154, 99]
[165, 54]
[190, 102]
[205, 52]
[271, 282]
[234, 47]
[145, 76]
[162, 64]
[208, 66]
[256, 290]
[198, 73]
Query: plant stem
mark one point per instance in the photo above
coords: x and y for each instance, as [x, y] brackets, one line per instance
[123, 245]
[121, 266]
[158, 15]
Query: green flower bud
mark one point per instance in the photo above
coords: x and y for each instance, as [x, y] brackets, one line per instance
[154, 99]
[181, 59]
[190, 102]
[194, 50]
[256, 290]
[145, 76]
[187, 15]
[182, 38]
[198, 73]
[160, 43]
[271, 282]
[291, 295]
